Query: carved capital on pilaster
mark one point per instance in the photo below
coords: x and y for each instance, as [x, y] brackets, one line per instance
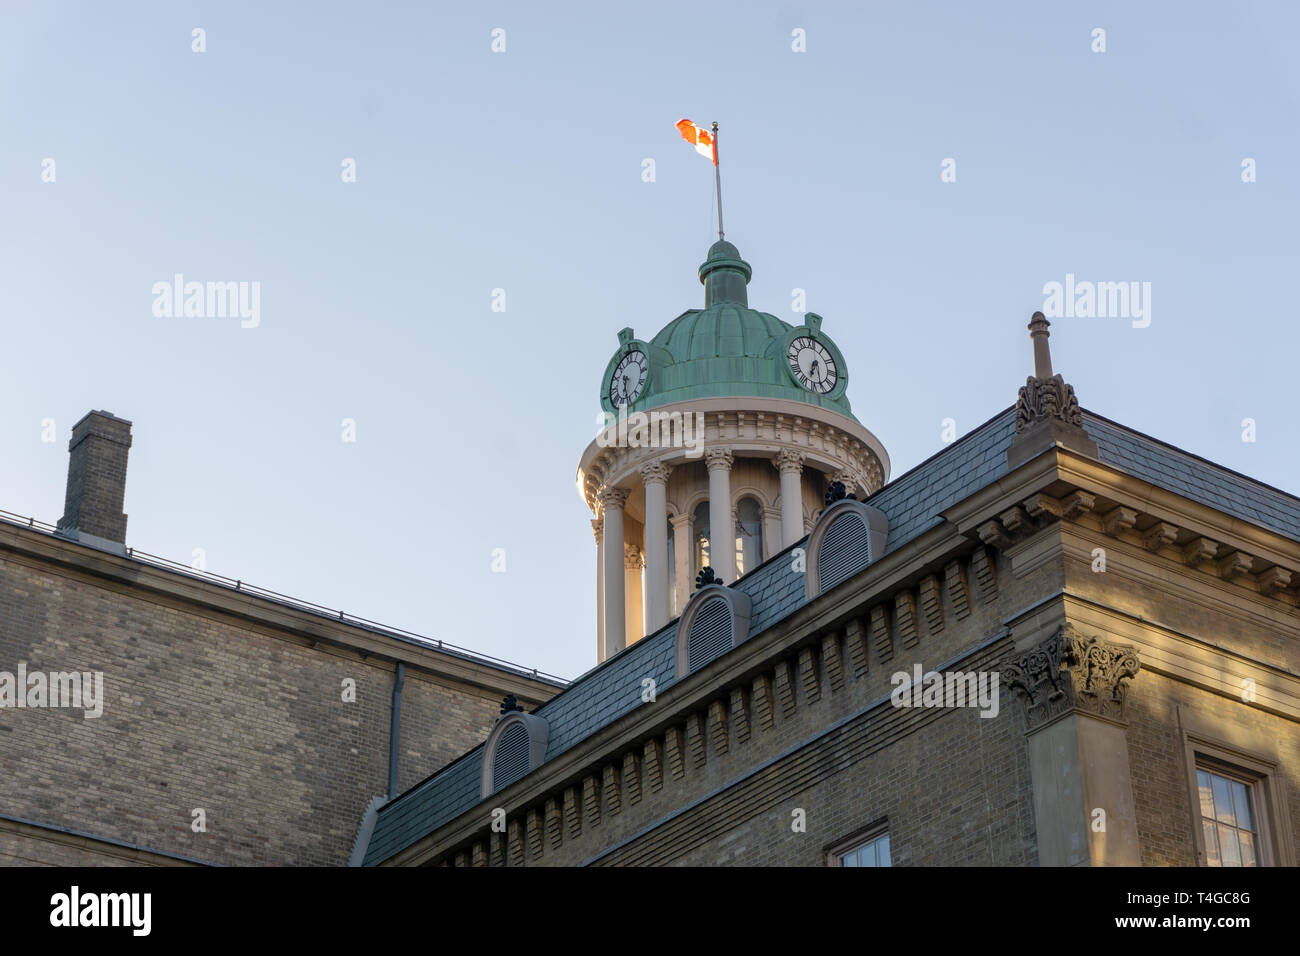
[789, 460]
[1071, 673]
[719, 458]
[682, 520]
[613, 498]
[598, 527]
[633, 559]
[656, 471]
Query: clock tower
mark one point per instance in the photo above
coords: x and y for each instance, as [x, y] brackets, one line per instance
[724, 431]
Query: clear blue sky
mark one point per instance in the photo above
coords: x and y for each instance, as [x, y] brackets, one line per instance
[522, 171]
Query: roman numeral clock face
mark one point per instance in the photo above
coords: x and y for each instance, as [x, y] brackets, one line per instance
[812, 365]
[628, 380]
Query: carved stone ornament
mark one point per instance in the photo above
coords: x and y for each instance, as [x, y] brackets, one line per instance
[706, 577]
[1069, 672]
[1045, 400]
[837, 492]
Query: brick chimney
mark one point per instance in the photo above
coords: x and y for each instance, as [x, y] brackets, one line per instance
[92, 511]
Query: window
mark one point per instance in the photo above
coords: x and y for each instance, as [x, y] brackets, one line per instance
[873, 852]
[700, 538]
[749, 535]
[1228, 815]
[1238, 809]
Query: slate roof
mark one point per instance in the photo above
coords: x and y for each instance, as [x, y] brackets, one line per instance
[913, 503]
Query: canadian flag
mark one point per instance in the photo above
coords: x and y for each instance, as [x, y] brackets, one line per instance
[700, 138]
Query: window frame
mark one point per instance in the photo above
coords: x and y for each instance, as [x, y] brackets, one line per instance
[1230, 750]
[836, 852]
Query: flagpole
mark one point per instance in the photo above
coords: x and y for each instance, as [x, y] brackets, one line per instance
[717, 178]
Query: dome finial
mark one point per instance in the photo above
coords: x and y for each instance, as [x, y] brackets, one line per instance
[725, 275]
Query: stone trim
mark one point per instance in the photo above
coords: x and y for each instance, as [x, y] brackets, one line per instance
[1068, 673]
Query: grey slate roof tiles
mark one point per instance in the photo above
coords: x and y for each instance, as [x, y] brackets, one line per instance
[913, 503]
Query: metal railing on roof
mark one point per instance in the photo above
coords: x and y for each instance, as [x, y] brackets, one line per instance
[243, 587]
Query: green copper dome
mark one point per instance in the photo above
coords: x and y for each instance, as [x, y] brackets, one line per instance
[727, 348]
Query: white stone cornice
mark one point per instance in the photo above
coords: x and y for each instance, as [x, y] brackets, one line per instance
[751, 428]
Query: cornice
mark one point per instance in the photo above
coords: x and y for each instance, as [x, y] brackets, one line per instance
[269, 617]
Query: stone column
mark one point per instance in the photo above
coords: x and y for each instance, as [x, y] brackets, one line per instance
[722, 538]
[598, 527]
[772, 534]
[612, 501]
[682, 559]
[1073, 694]
[790, 464]
[655, 478]
[633, 562]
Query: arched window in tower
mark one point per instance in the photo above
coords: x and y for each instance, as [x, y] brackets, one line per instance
[749, 535]
[700, 538]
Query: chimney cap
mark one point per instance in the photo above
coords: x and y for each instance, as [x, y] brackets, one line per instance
[102, 414]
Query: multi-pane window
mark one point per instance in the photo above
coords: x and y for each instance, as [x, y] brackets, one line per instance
[1228, 819]
[874, 852]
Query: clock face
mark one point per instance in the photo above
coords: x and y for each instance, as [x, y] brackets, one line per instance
[812, 365]
[629, 377]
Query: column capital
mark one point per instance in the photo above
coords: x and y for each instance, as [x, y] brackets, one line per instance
[656, 472]
[1070, 673]
[598, 527]
[633, 559]
[789, 460]
[719, 458]
[682, 520]
[613, 497]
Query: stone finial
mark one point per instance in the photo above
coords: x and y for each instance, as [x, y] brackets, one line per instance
[1047, 410]
[510, 704]
[706, 577]
[1038, 326]
[1068, 673]
[837, 492]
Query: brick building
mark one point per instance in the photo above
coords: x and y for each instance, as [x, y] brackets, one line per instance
[236, 726]
[1056, 642]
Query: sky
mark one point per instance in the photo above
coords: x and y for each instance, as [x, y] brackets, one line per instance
[922, 171]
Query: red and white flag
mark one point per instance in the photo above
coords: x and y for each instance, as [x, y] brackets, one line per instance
[700, 138]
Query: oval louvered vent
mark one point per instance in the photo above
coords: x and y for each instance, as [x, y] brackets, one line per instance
[844, 551]
[711, 633]
[510, 759]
